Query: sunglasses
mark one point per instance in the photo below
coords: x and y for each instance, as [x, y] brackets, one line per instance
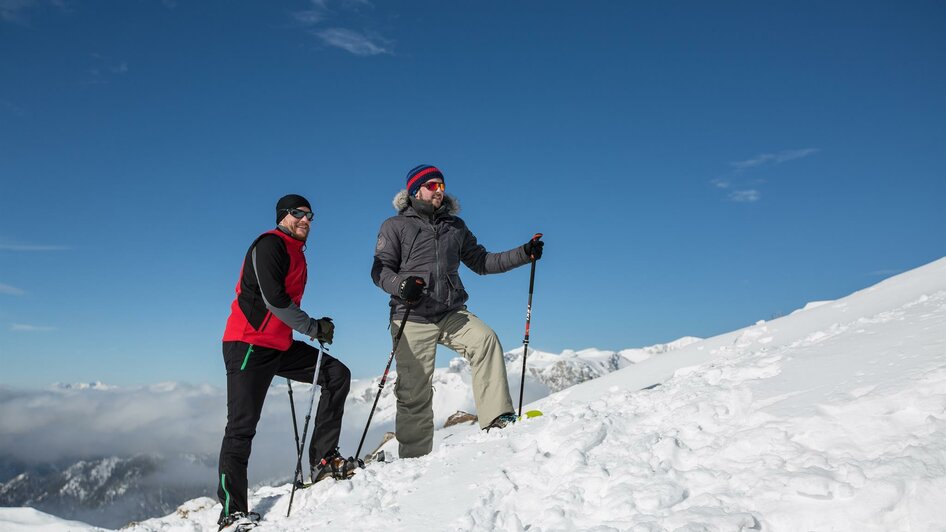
[433, 186]
[299, 213]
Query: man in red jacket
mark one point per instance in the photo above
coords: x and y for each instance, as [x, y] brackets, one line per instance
[258, 345]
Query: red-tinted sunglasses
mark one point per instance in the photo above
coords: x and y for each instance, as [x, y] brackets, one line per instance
[433, 186]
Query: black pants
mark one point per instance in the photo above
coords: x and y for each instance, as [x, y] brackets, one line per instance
[250, 371]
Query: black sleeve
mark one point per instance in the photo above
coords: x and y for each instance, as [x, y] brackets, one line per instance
[271, 261]
[272, 266]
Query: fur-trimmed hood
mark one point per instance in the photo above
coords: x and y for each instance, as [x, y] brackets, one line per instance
[401, 202]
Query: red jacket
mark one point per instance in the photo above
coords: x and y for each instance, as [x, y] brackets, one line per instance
[281, 268]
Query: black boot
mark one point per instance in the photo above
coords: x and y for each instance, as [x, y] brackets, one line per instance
[502, 421]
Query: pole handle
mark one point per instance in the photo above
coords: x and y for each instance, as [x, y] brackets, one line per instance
[535, 238]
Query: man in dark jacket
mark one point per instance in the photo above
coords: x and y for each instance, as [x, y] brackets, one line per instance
[416, 260]
[258, 345]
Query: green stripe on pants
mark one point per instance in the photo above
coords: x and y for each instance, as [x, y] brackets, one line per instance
[223, 484]
[246, 358]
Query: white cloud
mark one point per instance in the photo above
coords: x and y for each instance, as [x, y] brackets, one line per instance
[24, 327]
[358, 43]
[773, 158]
[11, 290]
[744, 190]
[13, 10]
[355, 5]
[314, 15]
[44, 425]
[31, 247]
[88, 421]
[17, 11]
[12, 108]
[309, 17]
[352, 41]
[744, 196]
[104, 69]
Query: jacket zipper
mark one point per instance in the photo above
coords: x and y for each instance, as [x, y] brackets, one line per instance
[437, 251]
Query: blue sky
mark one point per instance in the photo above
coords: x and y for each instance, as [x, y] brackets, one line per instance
[694, 167]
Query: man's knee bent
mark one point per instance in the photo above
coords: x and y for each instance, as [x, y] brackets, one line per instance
[339, 378]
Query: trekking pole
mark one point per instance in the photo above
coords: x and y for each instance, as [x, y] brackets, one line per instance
[525, 342]
[292, 408]
[297, 480]
[384, 378]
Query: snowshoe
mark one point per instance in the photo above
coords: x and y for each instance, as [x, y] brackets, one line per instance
[238, 522]
[501, 421]
[336, 467]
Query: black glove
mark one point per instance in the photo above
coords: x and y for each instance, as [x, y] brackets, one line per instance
[411, 289]
[326, 330]
[533, 248]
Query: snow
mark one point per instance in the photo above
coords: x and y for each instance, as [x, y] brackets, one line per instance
[833, 418]
[30, 520]
[546, 373]
[812, 304]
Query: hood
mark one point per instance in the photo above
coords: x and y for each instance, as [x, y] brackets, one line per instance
[450, 202]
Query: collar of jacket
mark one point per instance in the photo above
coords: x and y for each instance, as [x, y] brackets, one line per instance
[402, 204]
[290, 240]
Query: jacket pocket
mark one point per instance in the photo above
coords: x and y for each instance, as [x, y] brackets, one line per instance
[269, 316]
[458, 295]
[434, 302]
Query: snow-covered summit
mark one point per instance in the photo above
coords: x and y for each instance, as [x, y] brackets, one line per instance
[829, 419]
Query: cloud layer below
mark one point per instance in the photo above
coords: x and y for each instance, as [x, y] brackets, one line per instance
[86, 421]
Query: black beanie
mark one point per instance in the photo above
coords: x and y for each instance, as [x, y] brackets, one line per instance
[289, 201]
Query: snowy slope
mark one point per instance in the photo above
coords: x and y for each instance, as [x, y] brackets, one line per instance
[832, 418]
[546, 373]
[58, 456]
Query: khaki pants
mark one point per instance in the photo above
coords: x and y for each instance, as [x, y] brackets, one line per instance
[466, 334]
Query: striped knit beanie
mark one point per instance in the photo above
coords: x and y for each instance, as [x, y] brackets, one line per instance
[420, 175]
